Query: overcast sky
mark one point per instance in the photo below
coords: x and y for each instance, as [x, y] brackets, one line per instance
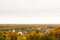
[29, 11]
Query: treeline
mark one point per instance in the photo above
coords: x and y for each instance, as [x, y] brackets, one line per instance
[53, 35]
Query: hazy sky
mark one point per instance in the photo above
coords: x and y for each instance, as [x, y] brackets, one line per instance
[26, 11]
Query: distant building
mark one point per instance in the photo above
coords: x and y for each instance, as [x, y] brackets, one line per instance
[20, 33]
[38, 28]
[13, 30]
[47, 31]
[25, 32]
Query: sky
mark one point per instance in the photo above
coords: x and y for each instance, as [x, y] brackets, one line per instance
[29, 11]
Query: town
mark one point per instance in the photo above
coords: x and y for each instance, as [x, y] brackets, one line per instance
[29, 32]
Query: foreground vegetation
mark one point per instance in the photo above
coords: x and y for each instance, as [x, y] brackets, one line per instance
[53, 34]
